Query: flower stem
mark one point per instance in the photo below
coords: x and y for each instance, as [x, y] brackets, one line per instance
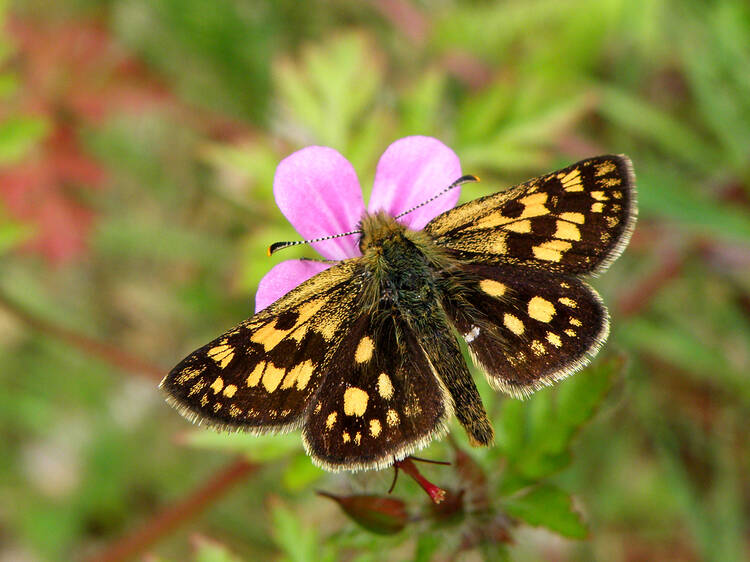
[436, 494]
[172, 516]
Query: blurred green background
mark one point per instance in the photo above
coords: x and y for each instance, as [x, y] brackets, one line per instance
[138, 142]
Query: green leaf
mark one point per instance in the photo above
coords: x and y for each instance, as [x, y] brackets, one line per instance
[427, 546]
[651, 123]
[18, 135]
[260, 448]
[421, 103]
[12, 234]
[550, 507]
[300, 473]
[8, 85]
[535, 436]
[212, 551]
[148, 239]
[668, 194]
[297, 541]
[329, 89]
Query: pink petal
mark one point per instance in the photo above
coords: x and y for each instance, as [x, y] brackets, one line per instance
[284, 277]
[409, 172]
[317, 190]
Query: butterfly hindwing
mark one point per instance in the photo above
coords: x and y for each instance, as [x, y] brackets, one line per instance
[261, 374]
[379, 401]
[575, 221]
[527, 328]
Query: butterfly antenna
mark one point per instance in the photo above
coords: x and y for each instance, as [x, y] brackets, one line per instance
[463, 179]
[276, 246]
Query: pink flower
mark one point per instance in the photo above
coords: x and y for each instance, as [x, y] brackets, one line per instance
[317, 190]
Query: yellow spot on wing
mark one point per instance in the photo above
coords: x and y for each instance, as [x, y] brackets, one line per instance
[567, 230]
[346, 437]
[498, 245]
[234, 411]
[538, 348]
[554, 339]
[254, 377]
[272, 377]
[522, 226]
[605, 168]
[599, 196]
[222, 354]
[573, 217]
[331, 420]
[571, 333]
[299, 374]
[567, 302]
[189, 373]
[575, 322]
[358, 438]
[197, 387]
[327, 326]
[533, 206]
[513, 324]
[385, 386]
[364, 350]
[611, 182]
[217, 385]
[597, 207]
[541, 309]
[572, 181]
[375, 428]
[269, 336]
[391, 417]
[306, 311]
[355, 401]
[552, 250]
[492, 287]
[533, 201]
[230, 390]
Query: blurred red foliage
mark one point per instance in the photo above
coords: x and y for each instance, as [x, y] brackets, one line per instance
[72, 74]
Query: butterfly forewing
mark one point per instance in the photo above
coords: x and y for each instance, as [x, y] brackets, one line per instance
[380, 399]
[527, 328]
[261, 374]
[576, 220]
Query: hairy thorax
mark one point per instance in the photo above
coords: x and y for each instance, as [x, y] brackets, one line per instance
[402, 264]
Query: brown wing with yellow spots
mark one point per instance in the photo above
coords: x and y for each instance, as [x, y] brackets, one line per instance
[576, 220]
[527, 328]
[260, 375]
[380, 400]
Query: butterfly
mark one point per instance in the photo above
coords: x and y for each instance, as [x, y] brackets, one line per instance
[366, 356]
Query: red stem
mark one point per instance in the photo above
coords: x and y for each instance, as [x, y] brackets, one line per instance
[407, 465]
[171, 517]
[109, 353]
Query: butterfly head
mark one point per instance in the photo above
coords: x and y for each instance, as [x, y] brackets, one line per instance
[378, 229]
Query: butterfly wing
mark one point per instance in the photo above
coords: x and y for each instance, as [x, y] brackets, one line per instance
[575, 221]
[262, 374]
[515, 296]
[527, 328]
[380, 400]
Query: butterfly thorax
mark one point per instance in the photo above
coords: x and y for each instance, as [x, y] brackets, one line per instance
[401, 263]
